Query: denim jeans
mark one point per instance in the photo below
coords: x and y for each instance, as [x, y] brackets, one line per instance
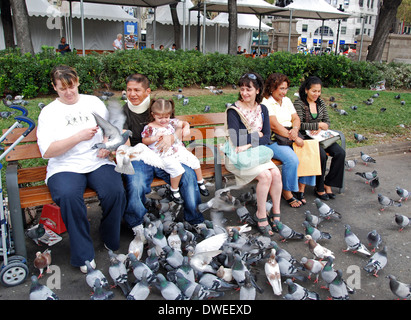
[289, 168]
[67, 189]
[139, 184]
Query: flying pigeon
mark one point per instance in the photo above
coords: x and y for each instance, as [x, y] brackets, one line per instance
[400, 289]
[402, 221]
[101, 293]
[377, 262]
[272, 272]
[350, 164]
[41, 292]
[353, 243]
[288, 233]
[385, 202]
[325, 211]
[141, 290]
[43, 261]
[359, 137]
[367, 175]
[374, 239]
[298, 292]
[366, 158]
[318, 250]
[313, 266]
[315, 233]
[118, 273]
[403, 193]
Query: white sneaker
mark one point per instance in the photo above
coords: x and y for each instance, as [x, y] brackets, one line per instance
[84, 268]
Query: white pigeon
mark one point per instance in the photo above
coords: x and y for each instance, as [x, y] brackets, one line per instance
[136, 247]
[272, 271]
[225, 273]
[174, 240]
[318, 250]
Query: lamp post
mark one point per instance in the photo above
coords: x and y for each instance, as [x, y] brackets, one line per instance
[337, 45]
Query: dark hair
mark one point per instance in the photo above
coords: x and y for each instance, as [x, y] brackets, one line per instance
[161, 106]
[257, 82]
[67, 75]
[139, 78]
[273, 81]
[306, 85]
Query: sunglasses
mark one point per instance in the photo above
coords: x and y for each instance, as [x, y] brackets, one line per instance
[251, 76]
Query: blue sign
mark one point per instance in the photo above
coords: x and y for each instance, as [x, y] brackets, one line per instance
[130, 28]
[342, 41]
[303, 40]
[330, 41]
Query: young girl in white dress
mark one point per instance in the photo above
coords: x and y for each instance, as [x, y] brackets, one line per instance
[162, 122]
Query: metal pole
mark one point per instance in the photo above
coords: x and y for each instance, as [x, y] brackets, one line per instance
[322, 32]
[259, 35]
[154, 28]
[362, 36]
[289, 31]
[338, 37]
[82, 26]
[204, 25]
[184, 25]
[189, 31]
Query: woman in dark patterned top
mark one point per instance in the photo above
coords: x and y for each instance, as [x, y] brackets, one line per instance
[314, 117]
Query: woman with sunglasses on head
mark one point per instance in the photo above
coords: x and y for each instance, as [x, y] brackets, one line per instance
[285, 124]
[267, 174]
[313, 114]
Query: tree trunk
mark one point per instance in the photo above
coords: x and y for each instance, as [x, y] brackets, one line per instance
[176, 25]
[386, 17]
[232, 27]
[21, 25]
[7, 22]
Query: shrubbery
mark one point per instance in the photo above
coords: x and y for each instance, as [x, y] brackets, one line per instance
[29, 75]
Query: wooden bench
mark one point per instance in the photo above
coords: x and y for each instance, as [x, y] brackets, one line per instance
[89, 51]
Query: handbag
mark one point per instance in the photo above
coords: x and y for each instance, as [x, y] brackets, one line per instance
[328, 142]
[284, 141]
[249, 158]
[309, 158]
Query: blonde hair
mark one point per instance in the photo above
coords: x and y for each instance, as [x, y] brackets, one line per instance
[161, 106]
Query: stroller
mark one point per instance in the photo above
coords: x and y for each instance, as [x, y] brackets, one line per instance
[13, 270]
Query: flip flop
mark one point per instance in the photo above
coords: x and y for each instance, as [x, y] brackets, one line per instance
[292, 201]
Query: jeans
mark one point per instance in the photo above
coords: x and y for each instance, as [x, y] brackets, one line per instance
[67, 189]
[289, 167]
[139, 184]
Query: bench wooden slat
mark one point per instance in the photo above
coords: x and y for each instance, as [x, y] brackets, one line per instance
[24, 152]
[17, 132]
[32, 174]
[205, 119]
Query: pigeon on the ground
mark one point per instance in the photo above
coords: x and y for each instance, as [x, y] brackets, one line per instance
[43, 261]
[377, 262]
[138, 268]
[328, 273]
[179, 96]
[288, 233]
[313, 266]
[312, 219]
[403, 193]
[374, 239]
[369, 175]
[400, 289]
[141, 289]
[359, 137]
[174, 258]
[350, 164]
[118, 273]
[289, 270]
[188, 287]
[101, 293]
[318, 250]
[353, 242]
[366, 158]
[403, 102]
[398, 96]
[402, 221]
[38, 234]
[248, 291]
[169, 290]
[93, 274]
[272, 272]
[354, 107]
[374, 184]
[151, 260]
[338, 288]
[41, 292]
[315, 233]
[385, 202]
[298, 292]
[326, 212]
[215, 283]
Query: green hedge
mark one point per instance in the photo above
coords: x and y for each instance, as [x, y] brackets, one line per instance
[29, 75]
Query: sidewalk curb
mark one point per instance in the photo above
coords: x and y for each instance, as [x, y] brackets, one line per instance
[381, 149]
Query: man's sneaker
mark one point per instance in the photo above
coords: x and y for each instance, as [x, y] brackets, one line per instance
[84, 268]
[203, 189]
[176, 197]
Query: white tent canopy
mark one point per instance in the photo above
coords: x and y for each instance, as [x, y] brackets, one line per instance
[259, 7]
[245, 21]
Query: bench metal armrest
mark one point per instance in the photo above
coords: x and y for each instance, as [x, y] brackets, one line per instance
[342, 138]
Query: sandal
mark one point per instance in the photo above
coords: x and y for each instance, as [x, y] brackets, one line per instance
[300, 197]
[293, 201]
[271, 216]
[264, 230]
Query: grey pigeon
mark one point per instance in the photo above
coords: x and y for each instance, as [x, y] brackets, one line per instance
[367, 175]
[174, 258]
[403, 193]
[403, 102]
[375, 95]
[100, 293]
[288, 233]
[315, 233]
[138, 268]
[359, 137]
[377, 262]
[328, 273]
[385, 202]
[93, 275]
[41, 105]
[248, 291]
[353, 242]
[186, 270]
[313, 266]
[342, 112]
[350, 164]
[114, 135]
[169, 290]
[37, 234]
[289, 270]
[118, 273]
[312, 219]
[179, 96]
[298, 292]
[398, 96]
[239, 269]
[41, 292]
[141, 290]
[152, 260]
[245, 216]
[366, 158]
[186, 101]
[215, 283]
[338, 288]
[354, 107]
[374, 183]
[374, 239]
[188, 287]
[325, 211]
[402, 221]
[400, 289]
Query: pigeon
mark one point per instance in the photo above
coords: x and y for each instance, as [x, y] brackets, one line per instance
[313, 266]
[138, 268]
[238, 270]
[374, 184]
[325, 210]
[179, 96]
[207, 108]
[248, 291]
[298, 292]
[366, 158]
[377, 262]
[245, 215]
[141, 290]
[315, 233]
[215, 283]
[354, 107]
[152, 260]
[289, 270]
[101, 293]
[385, 202]
[312, 219]
[118, 273]
[400, 289]
[332, 99]
[136, 247]
[41, 105]
[359, 137]
[41, 292]
[367, 175]
[225, 273]
[403, 102]
[398, 96]
[93, 275]
[342, 112]
[383, 109]
[353, 243]
[402, 221]
[328, 273]
[43, 261]
[114, 135]
[333, 105]
[186, 101]
[272, 272]
[369, 101]
[374, 239]
[375, 95]
[350, 164]
[338, 288]
[288, 233]
[169, 290]
[174, 240]
[318, 250]
[174, 258]
[38, 233]
[188, 287]
[403, 193]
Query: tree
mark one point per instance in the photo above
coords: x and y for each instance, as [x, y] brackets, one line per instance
[386, 18]
[176, 24]
[7, 22]
[232, 27]
[21, 25]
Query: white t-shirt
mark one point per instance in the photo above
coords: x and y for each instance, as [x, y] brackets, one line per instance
[59, 121]
[282, 112]
[118, 44]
